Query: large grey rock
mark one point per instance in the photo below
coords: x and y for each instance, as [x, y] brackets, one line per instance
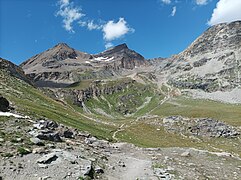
[45, 124]
[4, 104]
[36, 141]
[67, 133]
[48, 158]
[90, 140]
[99, 170]
[163, 173]
[86, 167]
[49, 137]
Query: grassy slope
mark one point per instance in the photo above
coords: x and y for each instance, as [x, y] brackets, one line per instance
[146, 135]
[136, 94]
[187, 107]
[30, 101]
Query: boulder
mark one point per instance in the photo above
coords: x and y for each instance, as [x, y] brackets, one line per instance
[50, 137]
[36, 141]
[186, 154]
[67, 133]
[50, 125]
[48, 158]
[90, 140]
[4, 104]
[98, 170]
[38, 150]
[46, 124]
[86, 167]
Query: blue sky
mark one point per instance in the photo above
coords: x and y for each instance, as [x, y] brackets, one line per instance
[154, 28]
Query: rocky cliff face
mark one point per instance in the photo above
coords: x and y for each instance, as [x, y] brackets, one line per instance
[62, 65]
[95, 89]
[211, 62]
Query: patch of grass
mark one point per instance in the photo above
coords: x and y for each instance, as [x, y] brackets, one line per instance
[158, 165]
[23, 151]
[80, 85]
[7, 155]
[144, 134]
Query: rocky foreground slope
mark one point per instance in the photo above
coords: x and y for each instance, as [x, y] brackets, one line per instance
[44, 150]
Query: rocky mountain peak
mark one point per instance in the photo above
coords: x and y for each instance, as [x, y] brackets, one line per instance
[217, 37]
[211, 62]
[53, 55]
[62, 45]
[121, 51]
[121, 47]
[62, 51]
[116, 49]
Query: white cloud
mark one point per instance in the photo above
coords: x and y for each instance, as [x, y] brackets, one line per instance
[112, 30]
[63, 3]
[90, 25]
[174, 10]
[108, 45]
[201, 2]
[226, 11]
[166, 1]
[69, 13]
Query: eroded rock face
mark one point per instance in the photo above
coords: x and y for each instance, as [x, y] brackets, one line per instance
[211, 63]
[13, 70]
[94, 90]
[4, 104]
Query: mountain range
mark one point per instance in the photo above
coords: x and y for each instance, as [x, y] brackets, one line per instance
[192, 99]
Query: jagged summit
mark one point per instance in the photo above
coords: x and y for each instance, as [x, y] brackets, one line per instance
[119, 47]
[121, 51]
[116, 49]
[62, 44]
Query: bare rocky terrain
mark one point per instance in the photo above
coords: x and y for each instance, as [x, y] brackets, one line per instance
[43, 149]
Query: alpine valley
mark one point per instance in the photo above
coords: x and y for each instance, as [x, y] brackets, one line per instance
[67, 114]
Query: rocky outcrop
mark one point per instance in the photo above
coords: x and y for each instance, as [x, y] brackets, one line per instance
[13, 70]
[96, 89]
[200, 127]
[189, 81]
